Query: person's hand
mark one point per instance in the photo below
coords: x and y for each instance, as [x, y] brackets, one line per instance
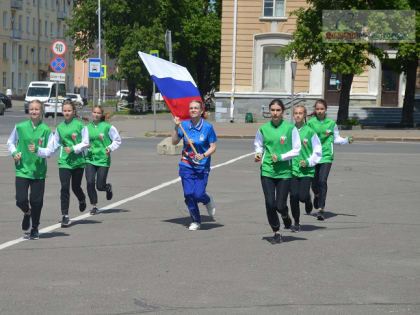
[351, 139]
[303, 163]
[177, 121]
[274, 158]
[31, 147]
[257, 157]
[199, 156]
[67, 149]
[108, 150]
[17, 157]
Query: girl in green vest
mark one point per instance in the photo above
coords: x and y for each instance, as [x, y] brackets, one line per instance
[303, 166]
[103, 139]
[30, 143]
[276, 143]
[72, 137]
[328, 134]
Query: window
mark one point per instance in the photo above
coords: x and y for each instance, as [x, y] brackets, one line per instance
[52, 29]
[273, 70]
[33, 26]
[27, 25]
[64, 6]
[13, 52]
[33, 55]
[20, 23]
[20, 52]
[5, 20]
[46, 4]
[58, 30]
[274, 8]
[19, 81]
[13, 80]
[46, 28]
[26, 79]
[45, 55]
[4, 79]
[39, 55]
[4, 50]
[52, 4]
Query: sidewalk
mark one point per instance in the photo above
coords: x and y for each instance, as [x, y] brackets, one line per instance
[142, 126]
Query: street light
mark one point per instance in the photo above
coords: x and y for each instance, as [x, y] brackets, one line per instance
[293, 65]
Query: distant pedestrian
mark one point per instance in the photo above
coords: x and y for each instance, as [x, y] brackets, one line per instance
[72, 138]
[276, 143]
[303, 166]
[328, 134]
[30, 143]
[103, 139]
[194, 168]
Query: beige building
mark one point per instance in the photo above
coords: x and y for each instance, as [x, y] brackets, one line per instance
[251, 74]
[27, 30]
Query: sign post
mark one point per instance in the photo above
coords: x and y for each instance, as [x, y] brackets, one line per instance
[156, 54]
[58, 64]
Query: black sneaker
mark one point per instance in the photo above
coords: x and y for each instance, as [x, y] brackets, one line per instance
[82, 205]
[320, 216]
[65, 222]
[308, 206]
[295, 228]
[287, 222]
[316, 206]
[109, 192]
[26, 222]
[34, 234]
[276, 239]
[94, 211]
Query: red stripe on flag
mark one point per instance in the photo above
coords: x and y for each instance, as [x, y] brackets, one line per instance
[180, 107]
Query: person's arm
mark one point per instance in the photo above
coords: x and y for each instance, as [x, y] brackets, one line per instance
[49, 150]
[295, 146]
[258, 146]
[77, 148]
[316, 151]
[338, 139]
[212, 143]
[11, 142]
[115, 137]
[175, 133]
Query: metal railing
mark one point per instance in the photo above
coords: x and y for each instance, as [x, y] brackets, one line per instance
[291, 101]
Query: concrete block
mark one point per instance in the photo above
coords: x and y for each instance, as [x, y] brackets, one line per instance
[166, 147]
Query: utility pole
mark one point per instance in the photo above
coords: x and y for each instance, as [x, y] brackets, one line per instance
[99, 48]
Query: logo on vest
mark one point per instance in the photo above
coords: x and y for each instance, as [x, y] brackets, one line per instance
[201, 137]
[101, 136]
[40, 141]
[283, 139]
[327, 132]
[73, 136]
[305, 142]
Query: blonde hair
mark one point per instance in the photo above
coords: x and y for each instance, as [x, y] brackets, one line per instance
[40, 105]
[304, 110]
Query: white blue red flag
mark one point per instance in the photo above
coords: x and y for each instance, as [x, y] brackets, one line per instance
[174, 82]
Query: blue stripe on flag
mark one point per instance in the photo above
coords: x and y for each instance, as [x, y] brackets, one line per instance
[174, 89]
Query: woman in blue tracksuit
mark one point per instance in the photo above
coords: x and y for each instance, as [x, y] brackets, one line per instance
[194, 167]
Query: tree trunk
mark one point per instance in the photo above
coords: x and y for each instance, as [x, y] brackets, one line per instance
[343, 105]
[407, 115]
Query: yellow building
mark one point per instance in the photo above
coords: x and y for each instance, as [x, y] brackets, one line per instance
[251, 74]
[27, 30]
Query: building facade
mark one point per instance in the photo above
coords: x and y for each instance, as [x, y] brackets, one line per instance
[27, 30]
[251, 73]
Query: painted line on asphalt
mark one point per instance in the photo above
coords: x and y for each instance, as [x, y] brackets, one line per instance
[116, 204]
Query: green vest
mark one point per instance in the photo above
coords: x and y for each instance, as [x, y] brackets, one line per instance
[70, 135]
[277, 140]
[305, 133]
[325, 131]
[98, 140]
[31, 165]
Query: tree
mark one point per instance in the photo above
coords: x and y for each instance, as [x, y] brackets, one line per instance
[129, 26]
[347, 58]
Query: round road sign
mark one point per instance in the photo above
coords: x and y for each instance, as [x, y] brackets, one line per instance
[58, 64]
[59, 47]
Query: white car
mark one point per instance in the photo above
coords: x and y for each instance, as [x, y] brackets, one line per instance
[121, 93]
[49, 107]
[75, 98]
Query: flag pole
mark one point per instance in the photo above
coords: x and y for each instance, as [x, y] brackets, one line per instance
[188, 139]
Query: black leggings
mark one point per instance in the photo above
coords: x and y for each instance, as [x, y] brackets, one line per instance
[319, 184]
[75, 176]
[299, 191]
[96, 174]
[36, 197]
[275, 193]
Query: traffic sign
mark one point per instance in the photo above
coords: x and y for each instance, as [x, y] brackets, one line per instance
[57, 77]
[95, 67]
[58, 64]
[154, 53]
[103, 71]
[59, 47]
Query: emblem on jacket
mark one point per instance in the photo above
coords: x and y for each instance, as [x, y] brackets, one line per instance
[305, 142]
[101, 136]
[73, 136]
[283, 139]
[40, 141]
[201, 137]
[327, 132]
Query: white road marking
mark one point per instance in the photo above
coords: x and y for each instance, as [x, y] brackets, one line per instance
[116, 204]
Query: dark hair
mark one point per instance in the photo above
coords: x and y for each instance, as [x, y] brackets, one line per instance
[277, 101]
[69, 102]
[105, 116]
[318, 101]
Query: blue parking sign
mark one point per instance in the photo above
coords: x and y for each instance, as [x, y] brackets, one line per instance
[94, 67]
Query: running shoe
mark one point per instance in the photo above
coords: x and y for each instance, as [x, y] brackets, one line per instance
[82, 205]
[94, 211]
[211, 208]
[295, 228]
[109, 192]
[287, 222]
[316, 206]
[320, 216]
[308, 206]
[194, 226]
[277, 239]
[34, 234]
[26, 222]
[65, 221]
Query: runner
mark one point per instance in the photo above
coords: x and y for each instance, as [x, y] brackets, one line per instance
[72, 138]
[328, 134]
[194, 168]
[276, 143]
[30, 142]
[103, 139]
[303, 166]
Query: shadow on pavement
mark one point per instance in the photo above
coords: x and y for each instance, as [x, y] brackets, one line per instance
[285, 238]
[207, 222]
[52, 234]
[329, 215]
[73, 223]
[113, 211]
[309, 227]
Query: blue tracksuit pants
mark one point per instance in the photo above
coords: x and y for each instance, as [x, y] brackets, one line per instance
[194, 183]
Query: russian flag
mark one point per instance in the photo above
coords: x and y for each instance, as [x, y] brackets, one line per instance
[174, 82]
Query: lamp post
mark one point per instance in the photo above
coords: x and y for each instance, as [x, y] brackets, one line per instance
[293, 65]
[99, 46]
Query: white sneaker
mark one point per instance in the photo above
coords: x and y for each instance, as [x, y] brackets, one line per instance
[211, 208]
[194, 226]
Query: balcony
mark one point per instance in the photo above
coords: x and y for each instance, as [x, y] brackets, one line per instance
[61, 15]
[16, 4]
[16, 34]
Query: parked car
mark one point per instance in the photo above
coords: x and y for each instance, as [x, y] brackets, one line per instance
[121, 93]
[49, 107]
[2, 108]
[6, 100]
[75, 98]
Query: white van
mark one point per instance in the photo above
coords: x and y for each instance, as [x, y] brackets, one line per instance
[43, 91]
